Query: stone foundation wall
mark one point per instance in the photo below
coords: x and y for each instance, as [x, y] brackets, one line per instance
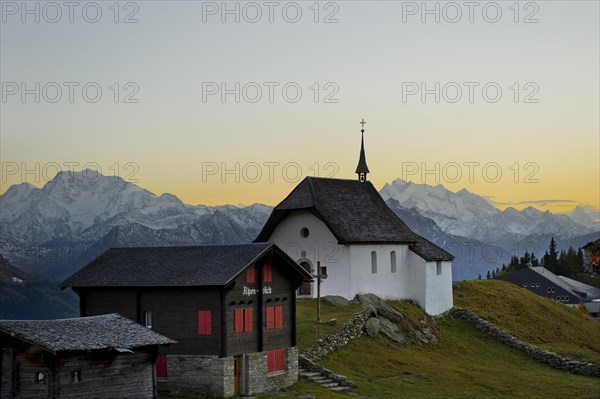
[256, 379]
[192, 375]
[541, 355]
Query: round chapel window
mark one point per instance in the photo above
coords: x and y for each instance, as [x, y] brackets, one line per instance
[304, 232]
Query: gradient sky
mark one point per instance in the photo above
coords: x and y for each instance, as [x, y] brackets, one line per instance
[370, 56]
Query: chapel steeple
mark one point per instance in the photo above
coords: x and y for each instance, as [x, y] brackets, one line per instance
[362, 169]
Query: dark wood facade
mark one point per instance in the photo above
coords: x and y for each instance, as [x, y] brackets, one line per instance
[31, 372]
[175, 310]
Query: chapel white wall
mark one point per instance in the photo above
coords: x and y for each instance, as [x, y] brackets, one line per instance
[320, 245]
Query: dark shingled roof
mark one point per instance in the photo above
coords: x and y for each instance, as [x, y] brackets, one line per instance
[354, 212]
[84, 333]
[210, 265]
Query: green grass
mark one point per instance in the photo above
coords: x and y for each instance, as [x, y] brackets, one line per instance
[309, 331]
[464, 364]
[532, 318]
[467, 363]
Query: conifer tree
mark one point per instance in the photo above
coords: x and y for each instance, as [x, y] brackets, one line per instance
[550, 260]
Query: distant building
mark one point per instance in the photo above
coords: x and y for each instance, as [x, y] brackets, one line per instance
[360, 243]
[543, 282]
[593, 308]
[232, 309]
[104, 356]
[591, 256]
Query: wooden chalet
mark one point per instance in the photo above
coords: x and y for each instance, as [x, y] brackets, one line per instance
[231, 308]
[105, 356]
[591, 254]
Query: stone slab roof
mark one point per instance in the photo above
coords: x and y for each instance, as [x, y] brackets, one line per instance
[84, 333]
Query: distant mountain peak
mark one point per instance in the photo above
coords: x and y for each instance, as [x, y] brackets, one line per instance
[579, 215]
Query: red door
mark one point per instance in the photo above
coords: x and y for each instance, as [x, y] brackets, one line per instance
[161, 367]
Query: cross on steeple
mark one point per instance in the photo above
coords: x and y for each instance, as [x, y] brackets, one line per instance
[362, 169]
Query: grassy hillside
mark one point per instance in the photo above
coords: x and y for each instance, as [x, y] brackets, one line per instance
[532, 318]
[465, 363]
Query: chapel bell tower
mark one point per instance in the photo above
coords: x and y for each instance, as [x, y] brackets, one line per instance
[362, 169]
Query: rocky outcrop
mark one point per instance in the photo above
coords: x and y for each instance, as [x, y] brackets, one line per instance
[552, 359]
[377, 318]
[378, 307]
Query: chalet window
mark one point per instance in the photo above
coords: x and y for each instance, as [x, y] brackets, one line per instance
[148, 318]
[553, 290]
[242, 320]
[40, 377]
[438, 268]
[373, 262]
[393, 261]
[268, 273]
[161, 367]
[524, 285]
[567, 298]
[537, 285]
[275, 360]
[250, 274]
[274, 317]
[76, 376]
[204, 322]
[548, 290]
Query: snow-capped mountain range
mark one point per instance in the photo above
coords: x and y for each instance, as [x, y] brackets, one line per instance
[56, 229]
[466, 214]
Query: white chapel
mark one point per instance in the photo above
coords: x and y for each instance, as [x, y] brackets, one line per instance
[361, 245]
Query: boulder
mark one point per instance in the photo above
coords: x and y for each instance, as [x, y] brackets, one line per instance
[390, 330]
[336, 300]
[379, 307]
[372, 327]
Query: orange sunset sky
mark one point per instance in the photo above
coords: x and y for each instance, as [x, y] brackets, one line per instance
[185, 96]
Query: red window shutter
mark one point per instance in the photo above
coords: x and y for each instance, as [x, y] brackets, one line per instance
[248, 320]
[161, 366]
[268, 273]
[278, 316]
[279, 359]
[250, 274]
[239, 320]
[270, 317]
[270, 361]
[204, 322]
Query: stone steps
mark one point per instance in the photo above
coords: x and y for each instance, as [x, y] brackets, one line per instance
[322, 380]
